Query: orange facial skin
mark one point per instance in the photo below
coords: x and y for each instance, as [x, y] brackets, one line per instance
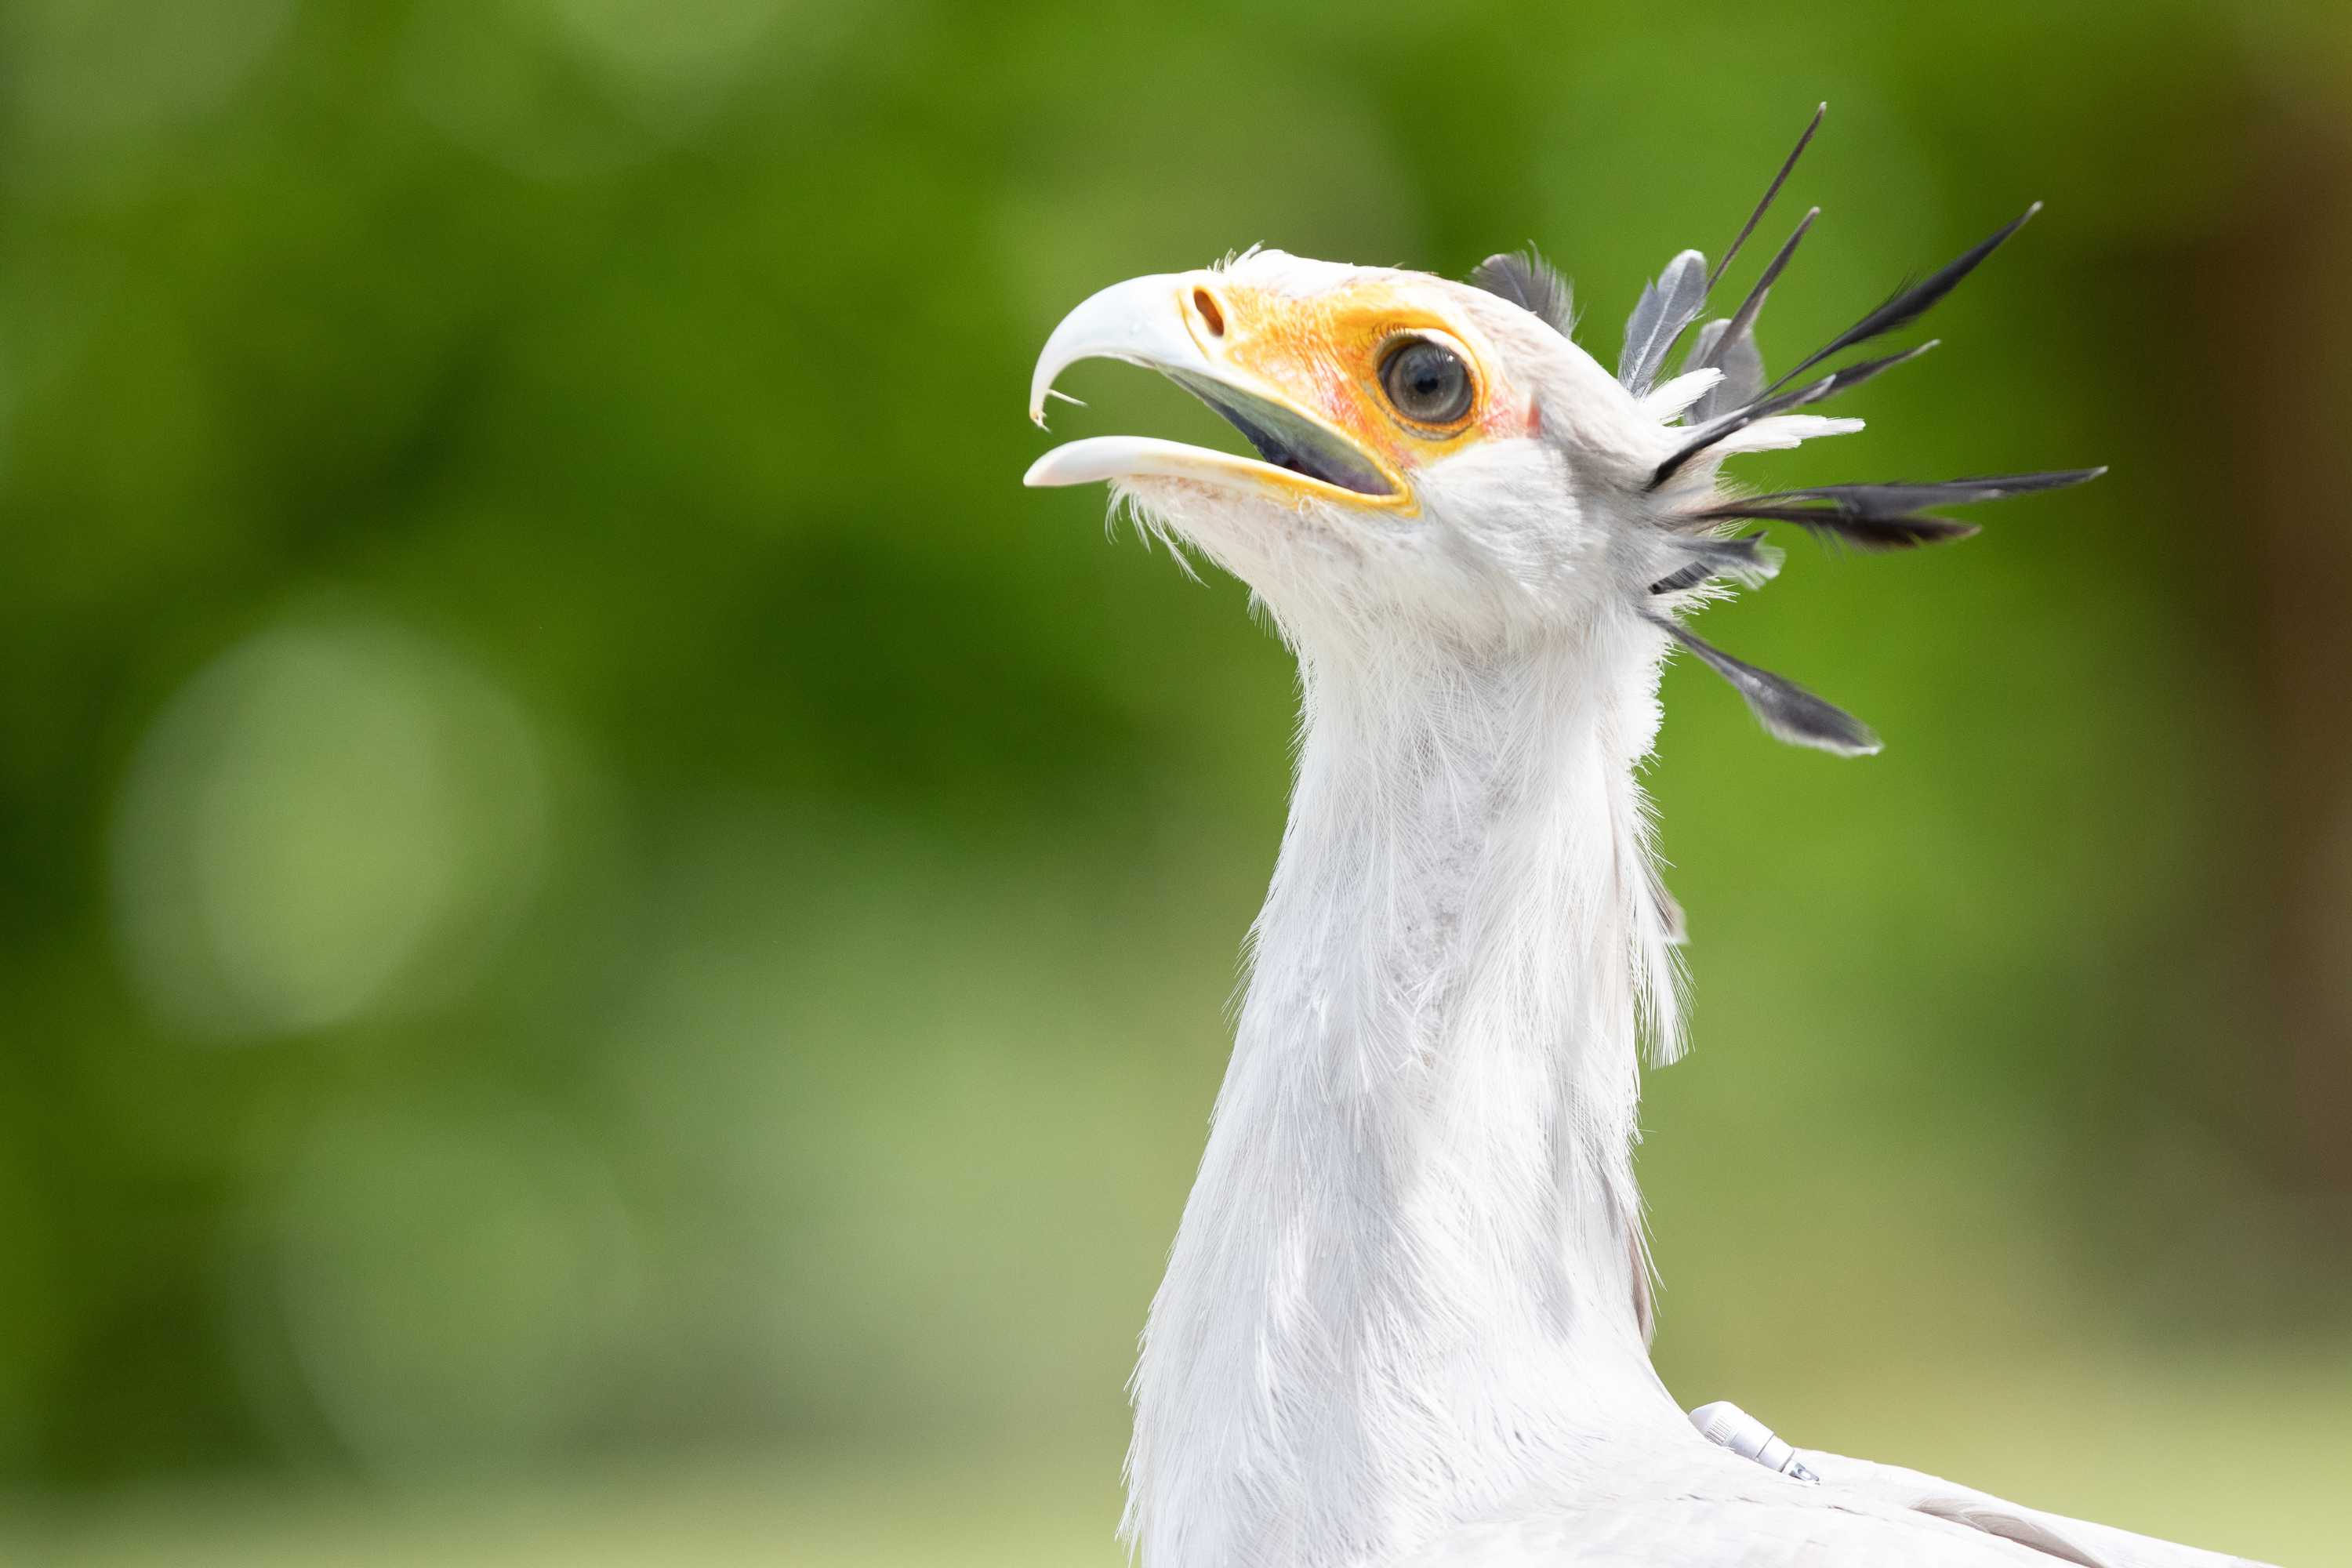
[1322, 356]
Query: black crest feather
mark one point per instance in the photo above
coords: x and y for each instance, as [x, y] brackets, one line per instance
[1689, 548]
[1785, 709]
[1841, 380]
[1531, 283]
[1743, 320]
[1910, 495]
[1912, 300]
[1889, 516]
[1689, 575]
[1770, 191]
[1898, 530]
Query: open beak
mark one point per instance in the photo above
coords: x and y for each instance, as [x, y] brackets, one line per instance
[1188, 327]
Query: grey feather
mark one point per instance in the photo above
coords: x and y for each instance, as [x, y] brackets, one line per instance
[1665, 308]
[1786, 710]
[1843, 379]
[1741, 363]
[1703, 346]
[1747, 558]
[1531, 283]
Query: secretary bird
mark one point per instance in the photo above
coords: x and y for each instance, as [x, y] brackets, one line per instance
[1407, 1316]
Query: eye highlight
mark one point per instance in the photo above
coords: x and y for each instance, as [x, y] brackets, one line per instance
[1427, 382]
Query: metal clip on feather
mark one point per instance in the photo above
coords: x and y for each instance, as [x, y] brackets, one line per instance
[1727, 1426]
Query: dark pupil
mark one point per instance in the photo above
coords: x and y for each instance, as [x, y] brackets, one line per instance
[1427, 382]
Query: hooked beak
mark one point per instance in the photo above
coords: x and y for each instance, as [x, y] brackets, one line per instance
[1187, 326]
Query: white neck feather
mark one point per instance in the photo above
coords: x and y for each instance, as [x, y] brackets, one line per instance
[1405, 1286]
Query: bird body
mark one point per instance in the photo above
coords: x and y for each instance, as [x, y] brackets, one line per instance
[1406, 1317]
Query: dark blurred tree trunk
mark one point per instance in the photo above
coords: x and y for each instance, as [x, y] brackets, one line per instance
[2278, 308]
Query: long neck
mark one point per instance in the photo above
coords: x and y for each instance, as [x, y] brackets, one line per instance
[1407, 1282]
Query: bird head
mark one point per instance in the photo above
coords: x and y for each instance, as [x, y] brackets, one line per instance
[1428, 458]
[1441, 464]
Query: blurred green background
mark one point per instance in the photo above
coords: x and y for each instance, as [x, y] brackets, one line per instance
[612, 946]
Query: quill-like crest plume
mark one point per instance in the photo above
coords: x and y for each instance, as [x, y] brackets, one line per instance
[1737, 410]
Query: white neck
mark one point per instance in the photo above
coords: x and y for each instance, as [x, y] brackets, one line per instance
[1405, 1286]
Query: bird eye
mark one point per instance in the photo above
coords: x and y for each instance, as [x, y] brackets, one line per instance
[1427, 382]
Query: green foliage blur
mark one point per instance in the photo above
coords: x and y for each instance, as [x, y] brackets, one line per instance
[612, 946]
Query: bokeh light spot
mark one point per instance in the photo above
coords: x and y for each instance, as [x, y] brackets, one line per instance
[673, 49]
[317, 820]
[91, 67]
[446, 1278]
